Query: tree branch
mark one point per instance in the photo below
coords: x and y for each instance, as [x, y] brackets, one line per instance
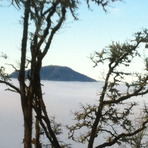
[123, 135]
[11, 85]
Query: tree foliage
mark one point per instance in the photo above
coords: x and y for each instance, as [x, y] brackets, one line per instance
[111, 116]
[41, 21]
[140, 139]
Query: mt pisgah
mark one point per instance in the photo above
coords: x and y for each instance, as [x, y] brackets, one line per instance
[59, 73]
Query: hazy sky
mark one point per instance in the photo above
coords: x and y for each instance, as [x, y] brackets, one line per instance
[74, 43]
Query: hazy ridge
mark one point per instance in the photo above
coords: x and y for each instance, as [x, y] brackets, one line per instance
[59, 73]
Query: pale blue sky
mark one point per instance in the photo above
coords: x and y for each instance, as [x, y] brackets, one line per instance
[74, 43]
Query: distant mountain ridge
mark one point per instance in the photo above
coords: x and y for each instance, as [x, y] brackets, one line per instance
[59, 73]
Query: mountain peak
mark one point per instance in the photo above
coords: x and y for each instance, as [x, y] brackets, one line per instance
[59, 73]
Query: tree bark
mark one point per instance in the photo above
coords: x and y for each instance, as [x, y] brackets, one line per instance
[38, 133]
[28, 125]
[26, 101]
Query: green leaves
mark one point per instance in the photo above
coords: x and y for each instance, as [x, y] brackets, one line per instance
[146, 64]
[3, 75]
[17, 2]
[113, 113]
[102, 3]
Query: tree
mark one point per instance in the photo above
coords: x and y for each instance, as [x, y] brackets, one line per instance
[111, 116]
[46, 17]
[140, 139]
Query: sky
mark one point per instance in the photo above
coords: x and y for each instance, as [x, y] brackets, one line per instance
[77, 40]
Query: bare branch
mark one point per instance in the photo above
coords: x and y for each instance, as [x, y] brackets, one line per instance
[11, 85]
[123, 135]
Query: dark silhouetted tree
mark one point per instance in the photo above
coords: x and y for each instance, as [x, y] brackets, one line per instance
[46, 17]
[111, 117]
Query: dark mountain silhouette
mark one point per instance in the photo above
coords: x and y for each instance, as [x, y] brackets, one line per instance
[59, 73]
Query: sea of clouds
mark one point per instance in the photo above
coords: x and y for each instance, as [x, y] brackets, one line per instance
[61, 99]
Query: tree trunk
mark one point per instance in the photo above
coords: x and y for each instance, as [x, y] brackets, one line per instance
[38, 133]
[27, 112]
[26, 101]
[27, 132]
